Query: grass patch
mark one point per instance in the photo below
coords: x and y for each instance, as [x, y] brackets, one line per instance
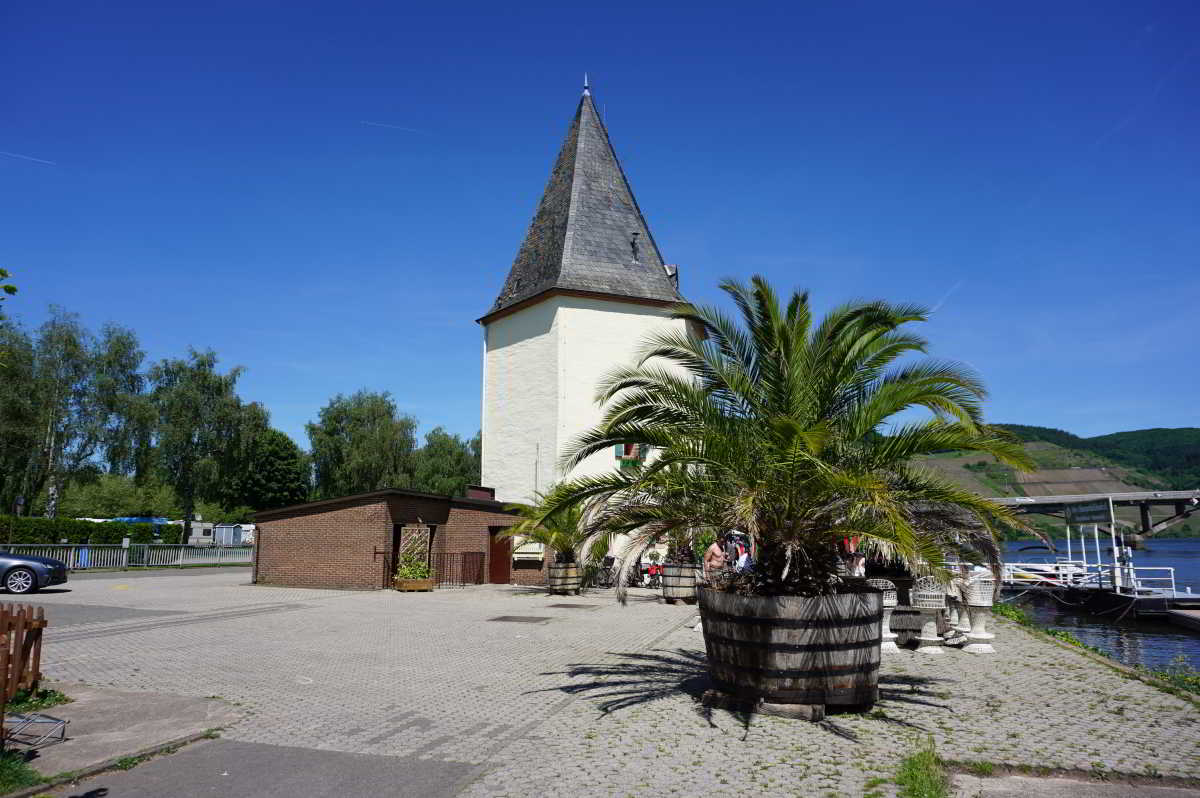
[35, 701]
[922, 774]
[981, 768]
[129, 762]
[15, 772]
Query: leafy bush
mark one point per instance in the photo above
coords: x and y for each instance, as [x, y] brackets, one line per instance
[1013, 613]
[412, 567]
[35, 700]
[1180, 673]
[16, 529]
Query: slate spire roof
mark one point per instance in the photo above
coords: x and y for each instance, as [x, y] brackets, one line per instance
[588, 234]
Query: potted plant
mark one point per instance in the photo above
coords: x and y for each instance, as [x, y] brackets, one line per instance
[784, 428]
[562, 536]
[412, 574]
[679, 571]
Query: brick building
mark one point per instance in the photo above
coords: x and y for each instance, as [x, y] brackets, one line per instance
[352, 541]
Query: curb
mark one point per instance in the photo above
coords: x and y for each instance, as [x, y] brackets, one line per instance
[100, 767]
[958, 767]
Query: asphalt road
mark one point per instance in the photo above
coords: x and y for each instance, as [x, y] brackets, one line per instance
[144, 573]
[60, 615]
[234, 769]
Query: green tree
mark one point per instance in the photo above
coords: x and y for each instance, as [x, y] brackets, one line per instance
[84, 385]
[118, 496]
[7, 289]
[274, 473]
[786, 429]
[197, 411]
[361, 443]
[20, 409]
[446, 464]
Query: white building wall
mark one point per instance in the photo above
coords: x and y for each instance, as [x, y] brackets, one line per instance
[542, 366]
[596, 336]
[520, 402]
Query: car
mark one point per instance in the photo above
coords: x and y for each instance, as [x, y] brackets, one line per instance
[28, 573]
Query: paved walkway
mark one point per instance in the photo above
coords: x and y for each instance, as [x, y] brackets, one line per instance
[1031, 704]
[599, 698]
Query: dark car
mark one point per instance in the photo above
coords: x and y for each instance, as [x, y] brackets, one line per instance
[26, 574]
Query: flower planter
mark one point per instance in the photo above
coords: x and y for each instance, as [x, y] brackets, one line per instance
[792, 649]
[564, 578]
[414, 585]
[679, 582]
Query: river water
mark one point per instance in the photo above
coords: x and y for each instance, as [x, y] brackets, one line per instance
[1153, 643]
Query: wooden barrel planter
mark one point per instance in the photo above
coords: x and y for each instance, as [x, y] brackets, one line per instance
[564, 578]
[679, 582]
[792, 649]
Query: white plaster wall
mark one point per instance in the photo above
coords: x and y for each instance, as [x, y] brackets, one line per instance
[542, 366]
[520, 401]
[595, 336]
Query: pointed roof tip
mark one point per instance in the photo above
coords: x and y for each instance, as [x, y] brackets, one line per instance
[588, 234]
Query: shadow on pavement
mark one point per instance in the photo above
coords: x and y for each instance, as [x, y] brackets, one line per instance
[642, 678]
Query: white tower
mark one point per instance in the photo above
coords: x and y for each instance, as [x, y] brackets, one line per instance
[587, 286]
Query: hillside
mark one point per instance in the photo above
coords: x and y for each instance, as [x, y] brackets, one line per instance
[1166, 458]
[1154, 459]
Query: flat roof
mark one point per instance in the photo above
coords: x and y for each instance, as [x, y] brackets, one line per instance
[485, 504]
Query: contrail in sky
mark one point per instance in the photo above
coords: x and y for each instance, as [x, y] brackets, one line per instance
[946, 296]
[26, 157]
[393, 127]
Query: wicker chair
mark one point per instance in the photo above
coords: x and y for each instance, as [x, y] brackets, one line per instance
[930, 598]
[927, 594]
[981, 591]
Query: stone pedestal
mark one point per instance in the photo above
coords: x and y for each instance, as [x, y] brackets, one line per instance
[888, 643]
[929, 641]
[964, 619]
[979, 638]
[952, 616]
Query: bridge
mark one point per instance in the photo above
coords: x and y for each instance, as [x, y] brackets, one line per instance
[1181, 504]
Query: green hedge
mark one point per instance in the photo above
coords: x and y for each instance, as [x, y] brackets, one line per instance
[55, 530]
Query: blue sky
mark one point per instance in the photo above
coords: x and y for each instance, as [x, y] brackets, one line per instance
[206, 174]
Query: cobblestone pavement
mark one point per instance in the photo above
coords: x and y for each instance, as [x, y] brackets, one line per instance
[368, 672]
[597, 699]
[639, 729]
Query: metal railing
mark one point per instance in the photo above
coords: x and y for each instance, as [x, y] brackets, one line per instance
[1127, 580]
[1142, 580]
[457, 569]
[161, 555]
[80, 557]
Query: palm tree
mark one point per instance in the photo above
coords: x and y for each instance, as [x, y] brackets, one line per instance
[562, 531]
[786, 429]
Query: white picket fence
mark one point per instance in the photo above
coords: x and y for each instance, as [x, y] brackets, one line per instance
[137, 555]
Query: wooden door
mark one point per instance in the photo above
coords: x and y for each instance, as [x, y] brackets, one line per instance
[499, 559]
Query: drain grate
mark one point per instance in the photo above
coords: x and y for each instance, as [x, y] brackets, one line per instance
[520, 619]
[572, 606]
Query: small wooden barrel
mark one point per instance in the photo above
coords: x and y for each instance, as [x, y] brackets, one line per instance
[792, 649]
[564, 578]
[679, 582]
